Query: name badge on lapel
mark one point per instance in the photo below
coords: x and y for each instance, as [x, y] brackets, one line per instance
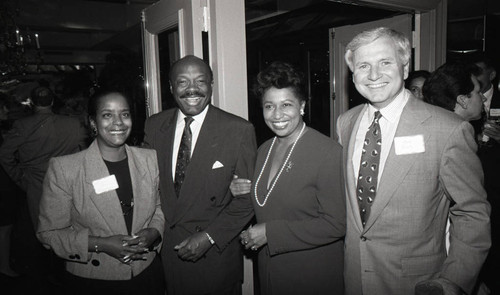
[406, 145]
[105, 184]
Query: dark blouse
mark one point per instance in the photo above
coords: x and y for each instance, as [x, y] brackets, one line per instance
[124, 191]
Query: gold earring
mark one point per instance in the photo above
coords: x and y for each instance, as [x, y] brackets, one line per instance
[302, 112]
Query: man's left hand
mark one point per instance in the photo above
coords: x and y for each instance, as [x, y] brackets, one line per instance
[194, 247]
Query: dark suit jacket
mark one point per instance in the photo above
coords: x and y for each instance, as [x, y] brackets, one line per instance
[490, 158]
[205, 202]
[403, 241]
[71, 210]
[29, 145]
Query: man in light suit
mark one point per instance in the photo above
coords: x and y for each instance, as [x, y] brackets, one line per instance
[428, 170]
[200, 253]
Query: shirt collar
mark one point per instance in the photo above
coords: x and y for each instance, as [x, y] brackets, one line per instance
[392, 111]
[198, 118]
[489, 94]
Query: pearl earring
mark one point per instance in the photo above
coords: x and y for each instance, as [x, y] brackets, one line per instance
[302, 112]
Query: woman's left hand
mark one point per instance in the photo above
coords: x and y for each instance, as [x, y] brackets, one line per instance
[254, 237]
[142, 241]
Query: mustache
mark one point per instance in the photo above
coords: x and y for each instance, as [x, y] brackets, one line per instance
[192, 93]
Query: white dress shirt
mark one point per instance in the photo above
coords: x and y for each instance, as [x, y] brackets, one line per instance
[179, 129]
[388, 125]
[487, 103]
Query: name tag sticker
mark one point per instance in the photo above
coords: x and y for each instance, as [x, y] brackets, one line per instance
[406, 145]
[105, 184]
[494, 112]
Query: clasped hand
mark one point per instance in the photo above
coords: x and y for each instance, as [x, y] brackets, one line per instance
[254, 237]
[194, 247]
[127, 248]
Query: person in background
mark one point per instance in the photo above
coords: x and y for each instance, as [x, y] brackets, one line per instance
[488, 129]
[409, 166]
[9, 203]
[454, 87]
[100, 209]
[487, 76]
[415, 82]
[33, 140]
[25, 154]
[200, 147]
[297, 193]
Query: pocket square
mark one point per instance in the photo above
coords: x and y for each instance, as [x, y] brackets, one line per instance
[217, 164]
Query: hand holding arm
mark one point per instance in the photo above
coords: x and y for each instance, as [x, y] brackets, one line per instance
[240, 186]
[194, 247]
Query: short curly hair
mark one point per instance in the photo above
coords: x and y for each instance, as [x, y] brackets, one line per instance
[280, 75]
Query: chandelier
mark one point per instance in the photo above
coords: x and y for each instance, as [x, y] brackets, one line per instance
[18, 46]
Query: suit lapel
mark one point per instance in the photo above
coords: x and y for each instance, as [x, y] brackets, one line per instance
[165, 142]
[140, 188]
[107, 203]
[397, 167]
[350, 135]
[195, 179]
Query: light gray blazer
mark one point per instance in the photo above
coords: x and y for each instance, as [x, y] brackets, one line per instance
[403, 241]
[70, 211]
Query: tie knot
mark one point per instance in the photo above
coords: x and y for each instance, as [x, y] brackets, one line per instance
[188, 120]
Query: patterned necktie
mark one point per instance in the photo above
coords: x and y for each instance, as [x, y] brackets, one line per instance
[368, 168]
[183, 156]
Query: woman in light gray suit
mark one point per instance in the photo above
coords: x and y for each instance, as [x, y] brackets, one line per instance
[100, 208]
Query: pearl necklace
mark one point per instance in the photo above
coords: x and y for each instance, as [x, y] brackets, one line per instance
[279, 173]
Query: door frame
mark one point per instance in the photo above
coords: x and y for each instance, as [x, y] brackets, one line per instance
[161, 16]
[224, 21]
[339, 71]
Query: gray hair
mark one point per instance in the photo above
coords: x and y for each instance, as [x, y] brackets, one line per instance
[402, 43]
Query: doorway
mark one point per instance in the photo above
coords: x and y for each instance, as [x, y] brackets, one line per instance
[303, 37]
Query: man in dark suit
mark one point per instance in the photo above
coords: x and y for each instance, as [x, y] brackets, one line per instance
[488, 129]
[200, 253]
[417, 167]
